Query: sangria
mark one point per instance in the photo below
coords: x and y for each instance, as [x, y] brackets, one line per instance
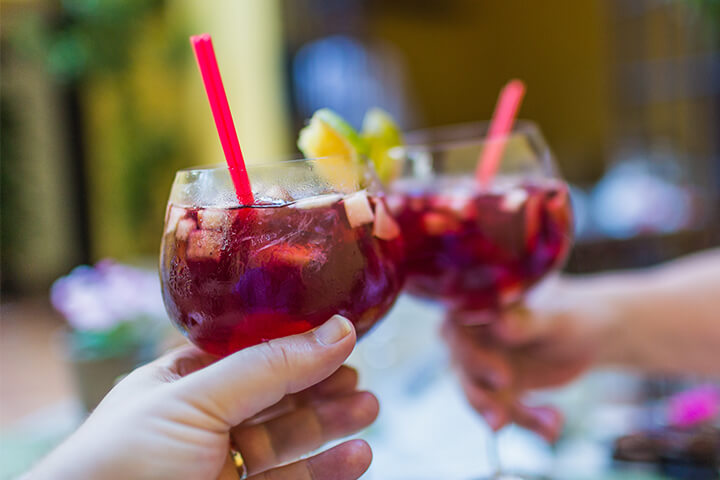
[476, 248]
[237, 275]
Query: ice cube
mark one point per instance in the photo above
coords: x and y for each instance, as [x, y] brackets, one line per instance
[173, 217]
[277, 193]
[436, 223]
[205, 245]
[318, 201]
[358, 209]
[459, 203]
[297, 255]
[184, 227]
[513, 200]
[213, 218]
[385, 227]
[395, 203]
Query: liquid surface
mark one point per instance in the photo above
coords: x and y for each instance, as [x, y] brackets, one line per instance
[481, 249]
[235, 277]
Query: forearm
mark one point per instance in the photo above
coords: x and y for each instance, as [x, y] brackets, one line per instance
[664, 319]
[87, 454]
[63, 463]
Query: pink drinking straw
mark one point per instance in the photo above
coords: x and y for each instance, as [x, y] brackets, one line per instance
[205, 54]
[501, 125]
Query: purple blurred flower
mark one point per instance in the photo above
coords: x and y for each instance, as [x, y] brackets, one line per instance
[694, 406]
[101, 297]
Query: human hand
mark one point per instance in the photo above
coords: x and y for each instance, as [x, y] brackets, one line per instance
[175, 417]
[545, 343]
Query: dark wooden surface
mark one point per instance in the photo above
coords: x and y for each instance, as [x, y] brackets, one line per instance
[598, 255]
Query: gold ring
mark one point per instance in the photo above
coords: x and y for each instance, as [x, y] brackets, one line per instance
[239, 463]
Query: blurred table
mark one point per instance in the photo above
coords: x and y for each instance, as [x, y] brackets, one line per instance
[425, 429]
[591, 255]
[37, 403]
[32, 369]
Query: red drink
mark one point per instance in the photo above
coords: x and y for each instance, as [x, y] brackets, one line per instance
[481, 249]
[235, 277]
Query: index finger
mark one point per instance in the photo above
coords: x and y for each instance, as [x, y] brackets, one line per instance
[478, 360]
[239, 386]
[343, 381]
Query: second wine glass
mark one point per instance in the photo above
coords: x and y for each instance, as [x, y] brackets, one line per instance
[479, 247]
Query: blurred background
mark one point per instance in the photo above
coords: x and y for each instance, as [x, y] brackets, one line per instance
[101, 102]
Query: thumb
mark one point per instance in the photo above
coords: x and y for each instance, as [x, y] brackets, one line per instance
[246, 382]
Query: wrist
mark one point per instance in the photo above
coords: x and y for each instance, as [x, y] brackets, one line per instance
[606, 304]
[62, 463]
[594, 311]
[77, 457]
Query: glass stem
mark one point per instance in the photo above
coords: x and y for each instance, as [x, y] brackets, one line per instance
[493, 455]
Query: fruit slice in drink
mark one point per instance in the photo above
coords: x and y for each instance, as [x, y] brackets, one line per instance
[380, 134]
[337, 146]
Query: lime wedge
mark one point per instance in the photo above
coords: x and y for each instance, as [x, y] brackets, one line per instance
[380, 133]
[336, 145]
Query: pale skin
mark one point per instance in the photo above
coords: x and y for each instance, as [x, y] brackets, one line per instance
[664, 319]
[278, 401]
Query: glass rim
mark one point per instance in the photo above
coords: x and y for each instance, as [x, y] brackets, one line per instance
[267, 163]
[522, 127]
[266, 175]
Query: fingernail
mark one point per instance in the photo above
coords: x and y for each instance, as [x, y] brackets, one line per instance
[550, 422]
[334, 330]
[493, 419]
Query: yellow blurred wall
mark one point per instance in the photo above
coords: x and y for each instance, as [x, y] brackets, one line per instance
[247, 35]
[460, 56]
[45, 245]
[248, 42]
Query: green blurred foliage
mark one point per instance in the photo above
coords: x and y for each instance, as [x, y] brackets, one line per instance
[710, 11]
[91, 42]
[92, 36]
[127, 337]
[10, 186]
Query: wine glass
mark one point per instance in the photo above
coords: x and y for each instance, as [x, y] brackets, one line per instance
[317, 241]
[476, 246]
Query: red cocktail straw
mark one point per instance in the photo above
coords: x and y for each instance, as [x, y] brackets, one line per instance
[205, 54]
[501, 125]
